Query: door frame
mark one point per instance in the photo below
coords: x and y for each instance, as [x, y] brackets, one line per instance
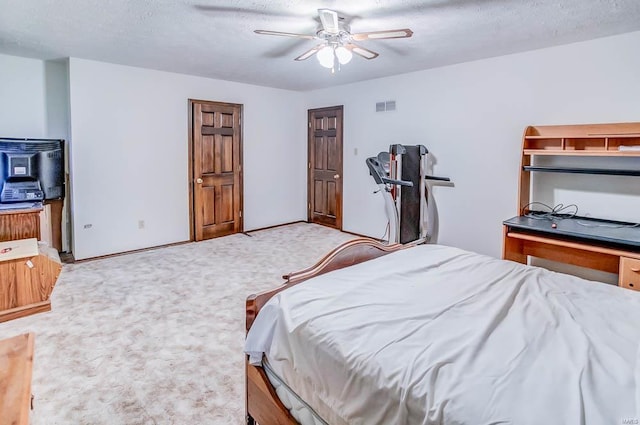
[339, 132]
[191, 177]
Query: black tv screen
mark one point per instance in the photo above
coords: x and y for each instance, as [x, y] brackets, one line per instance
[33, 160]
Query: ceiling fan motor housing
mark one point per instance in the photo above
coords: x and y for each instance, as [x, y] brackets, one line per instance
[343, 36]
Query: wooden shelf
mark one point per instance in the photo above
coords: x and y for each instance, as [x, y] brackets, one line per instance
[588, 140]
[594, 152]
[589, 136]
[580, 170]
[582, 140]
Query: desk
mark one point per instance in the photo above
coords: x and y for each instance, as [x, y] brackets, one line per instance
[596, 244]
[16, 359]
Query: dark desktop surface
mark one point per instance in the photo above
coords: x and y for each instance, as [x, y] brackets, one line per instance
[613, 233]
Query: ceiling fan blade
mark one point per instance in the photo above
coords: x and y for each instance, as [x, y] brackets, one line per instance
[207, 8]
[361, 51]
[285, 34]
[310, 52]
[379, 35]
[329, 19]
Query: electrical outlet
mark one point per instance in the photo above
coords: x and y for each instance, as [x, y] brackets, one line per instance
[140, 224]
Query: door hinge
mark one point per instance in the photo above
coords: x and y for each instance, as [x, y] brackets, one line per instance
[309, 124]
[309, 207]
[240, 214]
[309, 165]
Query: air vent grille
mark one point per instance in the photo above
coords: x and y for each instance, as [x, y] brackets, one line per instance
[389, 105]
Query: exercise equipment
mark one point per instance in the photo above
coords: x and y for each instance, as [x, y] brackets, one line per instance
[407, 191]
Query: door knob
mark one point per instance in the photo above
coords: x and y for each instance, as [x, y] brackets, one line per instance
[199, 180]
[336, 176]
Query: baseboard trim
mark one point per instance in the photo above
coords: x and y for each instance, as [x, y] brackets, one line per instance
[273, 227]
[363, 236]
[134, 251]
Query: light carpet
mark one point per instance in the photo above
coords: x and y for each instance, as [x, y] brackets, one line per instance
[156, 337]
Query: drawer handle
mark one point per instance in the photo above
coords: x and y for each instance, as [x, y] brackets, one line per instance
[635, 269]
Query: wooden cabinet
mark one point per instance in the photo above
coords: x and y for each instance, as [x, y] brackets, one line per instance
[558, 240]
[44, 224]
[19, 224]
[28, 273]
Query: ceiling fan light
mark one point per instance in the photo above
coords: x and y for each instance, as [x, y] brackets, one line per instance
[344, 55]
[325, 56]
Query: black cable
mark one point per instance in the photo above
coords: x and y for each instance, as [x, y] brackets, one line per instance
[554, 213]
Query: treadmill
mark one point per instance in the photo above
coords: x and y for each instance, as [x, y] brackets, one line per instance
[401, 177]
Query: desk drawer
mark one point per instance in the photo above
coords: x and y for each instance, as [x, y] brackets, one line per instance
[629, 273]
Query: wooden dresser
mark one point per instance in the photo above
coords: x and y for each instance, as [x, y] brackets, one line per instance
[16, 362]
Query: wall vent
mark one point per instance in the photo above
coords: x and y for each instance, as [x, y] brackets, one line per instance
[389, 105]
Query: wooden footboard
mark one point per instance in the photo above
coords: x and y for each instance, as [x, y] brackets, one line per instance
[262, 404]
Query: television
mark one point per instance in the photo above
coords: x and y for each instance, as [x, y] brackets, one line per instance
[31, 170]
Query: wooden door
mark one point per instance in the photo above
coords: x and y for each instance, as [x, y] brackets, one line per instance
[325, 167]
[216, 169]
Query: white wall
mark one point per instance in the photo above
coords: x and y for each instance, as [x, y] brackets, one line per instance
[56, 79]
[34, 98]
[22, 97]
[471, 117]
[129, 129]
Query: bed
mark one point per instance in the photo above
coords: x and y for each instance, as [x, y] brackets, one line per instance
[436, 335]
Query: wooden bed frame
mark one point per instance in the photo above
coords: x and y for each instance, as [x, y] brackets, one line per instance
[262, 404]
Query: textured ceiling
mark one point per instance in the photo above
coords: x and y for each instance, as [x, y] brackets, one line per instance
[215, 38]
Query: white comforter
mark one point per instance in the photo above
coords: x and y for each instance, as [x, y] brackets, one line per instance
[437, 335]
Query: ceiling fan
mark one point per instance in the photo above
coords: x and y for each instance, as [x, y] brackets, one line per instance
[336, 40]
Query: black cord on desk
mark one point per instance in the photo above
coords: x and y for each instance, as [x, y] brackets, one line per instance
[556, 212]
